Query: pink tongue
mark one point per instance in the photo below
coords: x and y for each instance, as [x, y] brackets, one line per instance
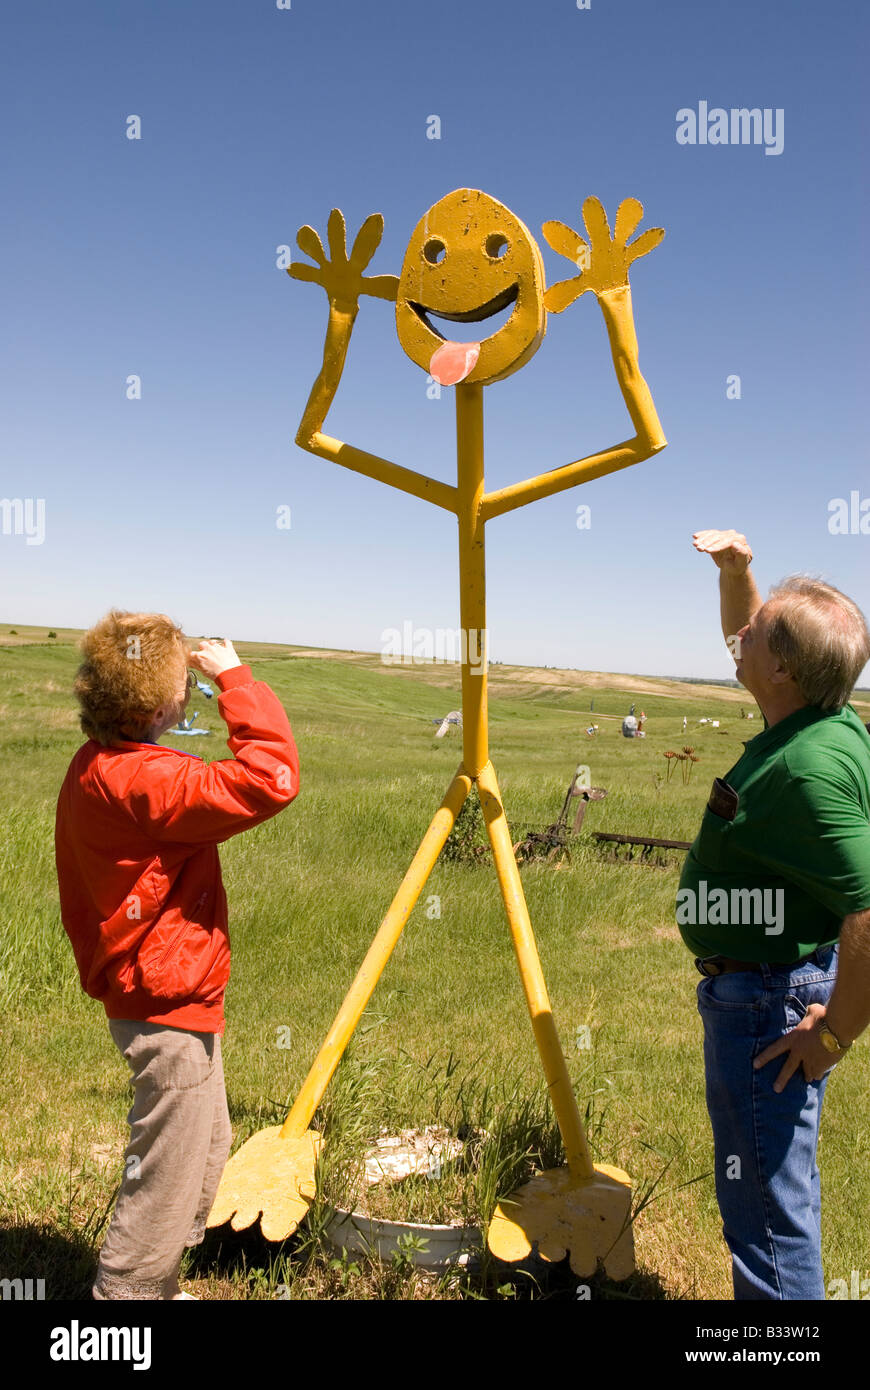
[453, 361]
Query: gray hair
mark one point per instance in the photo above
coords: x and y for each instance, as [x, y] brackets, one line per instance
[821, 638]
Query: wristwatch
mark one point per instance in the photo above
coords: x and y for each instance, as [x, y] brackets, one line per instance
[830, 1041]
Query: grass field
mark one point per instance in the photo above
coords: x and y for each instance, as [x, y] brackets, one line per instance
[446, 1038]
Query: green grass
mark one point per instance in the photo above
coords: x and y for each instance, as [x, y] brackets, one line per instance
[446, 1037]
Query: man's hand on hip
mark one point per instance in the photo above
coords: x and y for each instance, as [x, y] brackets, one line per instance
[804, 1047]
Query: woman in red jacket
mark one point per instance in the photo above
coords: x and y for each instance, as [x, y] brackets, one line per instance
[143, 904]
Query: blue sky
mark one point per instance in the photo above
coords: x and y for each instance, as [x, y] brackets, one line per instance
[157, 257]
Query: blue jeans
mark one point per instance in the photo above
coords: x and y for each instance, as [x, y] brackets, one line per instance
[767, 1182]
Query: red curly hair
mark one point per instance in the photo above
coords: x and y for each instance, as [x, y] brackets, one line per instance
[133, 664]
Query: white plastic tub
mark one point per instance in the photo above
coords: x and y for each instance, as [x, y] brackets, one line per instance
[447, 1246]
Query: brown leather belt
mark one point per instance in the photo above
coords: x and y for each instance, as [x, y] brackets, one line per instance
[723, 965]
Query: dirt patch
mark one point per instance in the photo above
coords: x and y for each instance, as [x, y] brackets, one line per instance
[107, 1156]
[566, 681]
[667, 933]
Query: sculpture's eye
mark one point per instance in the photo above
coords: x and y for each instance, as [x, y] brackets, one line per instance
[495, 245]
[434, 250]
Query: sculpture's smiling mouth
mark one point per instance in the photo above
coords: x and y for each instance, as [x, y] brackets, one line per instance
[502, 303]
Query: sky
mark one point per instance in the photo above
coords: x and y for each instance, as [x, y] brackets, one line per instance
[159, 258]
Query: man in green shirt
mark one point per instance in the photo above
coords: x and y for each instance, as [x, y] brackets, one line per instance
[776, 889]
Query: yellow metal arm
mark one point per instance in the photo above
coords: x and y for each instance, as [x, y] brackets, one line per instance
[649, 440]
[429, 489]
[619, 318]
[506, 499]
[309, 436]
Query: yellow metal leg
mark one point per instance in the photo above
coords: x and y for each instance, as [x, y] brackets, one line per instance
[272, 1174]
[377, 956]
[543, 1024]
[584, 1209]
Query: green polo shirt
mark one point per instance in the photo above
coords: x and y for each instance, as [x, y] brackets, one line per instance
[776, 882]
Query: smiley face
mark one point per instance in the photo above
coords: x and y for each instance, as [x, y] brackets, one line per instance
[470, 259]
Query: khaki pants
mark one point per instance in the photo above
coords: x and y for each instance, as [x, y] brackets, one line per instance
[180, 1139]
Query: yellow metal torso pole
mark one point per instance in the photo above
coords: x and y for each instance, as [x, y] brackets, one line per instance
[475, 733]
[472, 576]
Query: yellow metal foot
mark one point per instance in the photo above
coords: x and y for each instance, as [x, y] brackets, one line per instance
[588, 1219]
[268, 1176]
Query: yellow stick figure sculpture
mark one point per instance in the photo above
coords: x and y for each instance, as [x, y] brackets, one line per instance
[468, 258]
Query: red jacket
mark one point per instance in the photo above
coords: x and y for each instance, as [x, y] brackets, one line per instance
[136, 837]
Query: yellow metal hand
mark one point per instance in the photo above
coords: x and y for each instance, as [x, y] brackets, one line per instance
[342, 276]
[603, 260]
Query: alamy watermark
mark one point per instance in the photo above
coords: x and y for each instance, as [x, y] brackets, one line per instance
[24, 1290]
[743, 907]
[77, 1343]
[849, 518]
[741, 125]
[856, 1287]
[414, 646]
[23, 516]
